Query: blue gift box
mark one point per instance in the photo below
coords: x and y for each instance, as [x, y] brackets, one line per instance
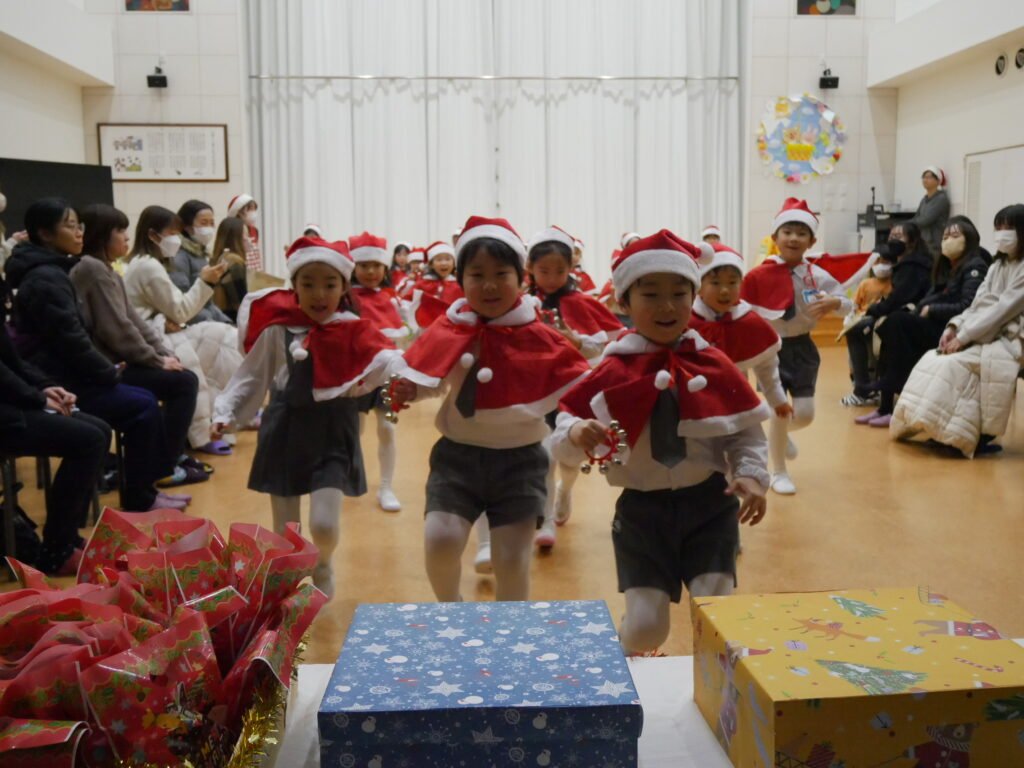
[434, 685]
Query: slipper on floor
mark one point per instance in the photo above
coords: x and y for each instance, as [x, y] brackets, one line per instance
[187, 462]
[216, 448]
[183, 476]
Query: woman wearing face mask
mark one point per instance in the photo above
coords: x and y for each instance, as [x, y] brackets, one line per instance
[52, 337]
[197, 232]
[933, 211]
[245, 207]
[911, 278]
[906, 336]
[962, 393]
[208, 349]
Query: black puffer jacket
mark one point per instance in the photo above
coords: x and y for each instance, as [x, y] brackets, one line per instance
[950, 299]
[911, 279]
[48, 322]
[21, 386]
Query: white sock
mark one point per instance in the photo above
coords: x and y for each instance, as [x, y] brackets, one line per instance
[386, 453]
[569, 474]
[285, 509]
[778, 436]
[483, 532]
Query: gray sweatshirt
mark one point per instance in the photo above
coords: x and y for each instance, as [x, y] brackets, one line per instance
[932, 215]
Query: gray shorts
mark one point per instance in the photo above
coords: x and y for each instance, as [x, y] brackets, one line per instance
[508, 484]
[798, 365]
[664, 539]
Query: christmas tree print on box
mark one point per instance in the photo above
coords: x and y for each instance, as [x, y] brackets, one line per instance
[890, 677]
[502, 684]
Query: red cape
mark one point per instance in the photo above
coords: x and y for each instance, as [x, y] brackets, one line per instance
[586, 315]
[769, 285]
[583, 281]
[378, 308]
[530, 364]
[714, 397]
[445, 290]
[343, 350]
[744, 336]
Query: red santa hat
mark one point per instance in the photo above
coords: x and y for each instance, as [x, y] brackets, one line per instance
[711, 229]
[315, 228]
[438, 248]
[367, 248]
[937, 172]
[795, 211]
[478, 227]
[577, 244]
[724, 256]
[553, 234]
[403, 244]
[417, 255]
[238, 202]
[306, 250]
[661, 252]
[627, 236]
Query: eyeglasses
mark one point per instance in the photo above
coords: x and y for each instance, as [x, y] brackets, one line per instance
[77, 227]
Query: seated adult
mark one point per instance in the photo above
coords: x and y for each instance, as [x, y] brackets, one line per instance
[51, 334]
[122, 336]
[38, 418]
[185, 266]
[911, 279]
[906, 336]
[229, 246]
[962, 393]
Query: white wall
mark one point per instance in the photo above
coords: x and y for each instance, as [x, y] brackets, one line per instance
[786, 58]
[203, 63]
[952, 112]
[41, 114]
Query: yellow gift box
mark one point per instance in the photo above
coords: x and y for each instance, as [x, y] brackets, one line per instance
[893, 678]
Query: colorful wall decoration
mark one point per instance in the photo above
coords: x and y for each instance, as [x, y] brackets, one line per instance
[826, 7]
[799, 138]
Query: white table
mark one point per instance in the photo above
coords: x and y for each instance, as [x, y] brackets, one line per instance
[674, 733]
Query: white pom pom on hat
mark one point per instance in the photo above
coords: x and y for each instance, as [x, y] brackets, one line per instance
[662, 379]
[707, 254]
[467, 360]
[484, 375]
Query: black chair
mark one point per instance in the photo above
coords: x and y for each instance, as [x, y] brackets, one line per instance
[9, 474]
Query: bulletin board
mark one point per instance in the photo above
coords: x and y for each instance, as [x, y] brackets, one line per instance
[164, 152]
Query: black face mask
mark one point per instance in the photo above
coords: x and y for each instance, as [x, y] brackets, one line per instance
[896, 248]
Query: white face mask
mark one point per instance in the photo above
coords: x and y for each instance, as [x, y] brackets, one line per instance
[170, 246]
[881, 271]
[250, 218]
[1005, 241]
[3, 202]
[203, 235]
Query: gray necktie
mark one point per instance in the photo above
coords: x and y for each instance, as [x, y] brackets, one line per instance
[667, 447]
[465, 401]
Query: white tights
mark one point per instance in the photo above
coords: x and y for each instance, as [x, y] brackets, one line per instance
[386, 455]
[646, 623]
[569, 474]
[779, 429]
[324, 518]
[445, 536]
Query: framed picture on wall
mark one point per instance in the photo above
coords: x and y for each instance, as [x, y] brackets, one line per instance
[164, 152]
[157, 6]
[826, 7]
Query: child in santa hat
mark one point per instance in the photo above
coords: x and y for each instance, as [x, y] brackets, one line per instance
[414, 270]
[244, 207]
[316, 357]
[730, 324]
[378, 305]
[400, 263]
[711, 234]
[793, 294]
[437, 288]
[503, 370]
[584, 282]
[690, 417]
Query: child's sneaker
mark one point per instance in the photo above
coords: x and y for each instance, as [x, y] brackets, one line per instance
[482, 561]
[782, 485]
[563, 504]
[791, 450]
[387, 499]
[545, 538]
[323, 579]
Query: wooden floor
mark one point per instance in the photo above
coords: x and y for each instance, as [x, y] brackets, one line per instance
[869, 513]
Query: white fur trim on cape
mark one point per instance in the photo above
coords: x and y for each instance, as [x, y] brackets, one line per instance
[370, 377]
[704, 312]
[630, 269]
[242, 320]
[635, 344]
[521, 314]
[716, 426]
[497, 232]
[520, 412]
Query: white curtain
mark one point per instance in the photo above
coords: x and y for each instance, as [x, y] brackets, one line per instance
[411, 157]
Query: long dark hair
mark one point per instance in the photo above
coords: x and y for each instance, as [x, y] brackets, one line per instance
[100, 221]
[155, 218]
[230, 237]
[45, 214]
[495, 248]
[394, 253]
[942, 270]
[546, 248]
[1013, 216]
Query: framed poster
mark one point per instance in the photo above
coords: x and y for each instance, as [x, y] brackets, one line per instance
[164, 152]
[159, 6]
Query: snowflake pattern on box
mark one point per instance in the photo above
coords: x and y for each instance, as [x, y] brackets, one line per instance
[799, 138]
[510, 683]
